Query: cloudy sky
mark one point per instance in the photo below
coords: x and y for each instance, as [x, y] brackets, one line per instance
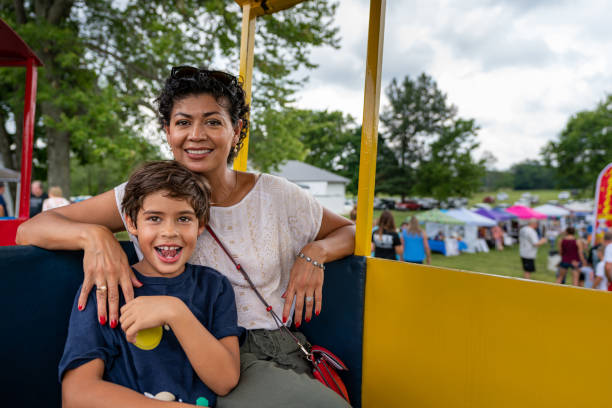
[519, 67]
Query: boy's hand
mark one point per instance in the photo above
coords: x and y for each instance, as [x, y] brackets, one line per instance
[145, 312]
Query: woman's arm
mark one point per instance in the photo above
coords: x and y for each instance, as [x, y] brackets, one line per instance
[87, 225]
[335, 240]
[217, 362]
[84, 387]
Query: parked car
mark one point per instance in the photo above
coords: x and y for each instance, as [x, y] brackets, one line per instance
[408, 205]
[427, 203]
[384, 203]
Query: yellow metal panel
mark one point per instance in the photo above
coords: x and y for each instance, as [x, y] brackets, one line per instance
[436, 337]
[369, 130]
[247, 47]
[260, 7]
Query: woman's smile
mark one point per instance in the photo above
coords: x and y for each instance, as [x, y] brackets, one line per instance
[201, 133]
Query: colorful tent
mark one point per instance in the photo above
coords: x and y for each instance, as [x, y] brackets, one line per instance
[470, 217]
[581, 207]
[496, 215]
[525, 212]
[438, 217]
[552, 210]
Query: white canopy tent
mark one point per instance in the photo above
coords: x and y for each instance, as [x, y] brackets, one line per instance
[552, 210]
[472, 222]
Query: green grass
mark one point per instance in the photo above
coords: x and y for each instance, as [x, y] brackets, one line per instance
[504, 263]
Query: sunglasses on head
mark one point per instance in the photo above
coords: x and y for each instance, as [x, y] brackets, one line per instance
[189, 72]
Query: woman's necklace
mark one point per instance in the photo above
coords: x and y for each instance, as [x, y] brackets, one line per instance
[230, 193]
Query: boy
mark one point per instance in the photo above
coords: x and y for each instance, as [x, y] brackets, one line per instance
[178, 339]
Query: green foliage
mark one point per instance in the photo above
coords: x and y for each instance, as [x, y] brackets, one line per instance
[275, 138]
[432, 146]
[105, 61]
[495, 180]
[449, 169]
[530, 174]
[391, 179]
[584, 147]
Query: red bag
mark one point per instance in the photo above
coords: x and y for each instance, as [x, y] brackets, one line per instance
[324, 362]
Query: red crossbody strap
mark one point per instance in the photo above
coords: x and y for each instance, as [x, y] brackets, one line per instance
[240, 269]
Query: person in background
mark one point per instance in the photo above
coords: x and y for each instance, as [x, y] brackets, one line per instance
[601, 280]
[385, 240]
[414, 241]
[498, 236]
[37, 197]
[528, 246]
[3, 208]
[55, 199]
[353, 213]
[607, 256]
[572, 256]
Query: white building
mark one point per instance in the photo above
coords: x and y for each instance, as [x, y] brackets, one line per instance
[327, 187]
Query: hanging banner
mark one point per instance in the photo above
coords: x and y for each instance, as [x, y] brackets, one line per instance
[603, 203]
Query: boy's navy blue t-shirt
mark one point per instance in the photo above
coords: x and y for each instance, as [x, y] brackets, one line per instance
[209, 296]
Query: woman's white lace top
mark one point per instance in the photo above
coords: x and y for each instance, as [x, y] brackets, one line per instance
[264, 232]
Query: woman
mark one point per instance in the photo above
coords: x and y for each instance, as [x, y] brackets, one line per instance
[385, 240]
[414, 240]
[265, 222]
[572, 256]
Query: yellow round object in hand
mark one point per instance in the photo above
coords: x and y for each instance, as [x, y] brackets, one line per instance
[148, 339]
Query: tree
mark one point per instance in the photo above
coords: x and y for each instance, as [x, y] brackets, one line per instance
[275, 138]
[391, 179]
[432, 146]
[584, 147]
[449, 169]
[531, 174]
[496, 179]
[104, 62]
[417, 110]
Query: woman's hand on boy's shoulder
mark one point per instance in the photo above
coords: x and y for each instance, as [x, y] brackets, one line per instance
[145, 312]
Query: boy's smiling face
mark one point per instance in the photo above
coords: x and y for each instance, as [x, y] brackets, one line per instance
[167, 231]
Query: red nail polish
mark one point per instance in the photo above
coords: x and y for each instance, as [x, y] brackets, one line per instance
[307, 320]
[317, 312]
[284, 295]
[284, 319]
[113, 324]
[102, 320]
[80, 307]
[298, 324]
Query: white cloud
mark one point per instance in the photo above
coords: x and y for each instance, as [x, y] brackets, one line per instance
[520, 68]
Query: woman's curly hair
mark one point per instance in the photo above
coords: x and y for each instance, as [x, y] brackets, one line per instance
[221, 85]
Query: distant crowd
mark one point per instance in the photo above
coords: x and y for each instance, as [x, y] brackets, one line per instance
[589, 260]
[39, 200]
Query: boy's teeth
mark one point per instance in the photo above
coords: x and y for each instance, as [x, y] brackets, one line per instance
[168, 251]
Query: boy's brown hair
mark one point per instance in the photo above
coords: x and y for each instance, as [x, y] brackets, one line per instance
[173, 178]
